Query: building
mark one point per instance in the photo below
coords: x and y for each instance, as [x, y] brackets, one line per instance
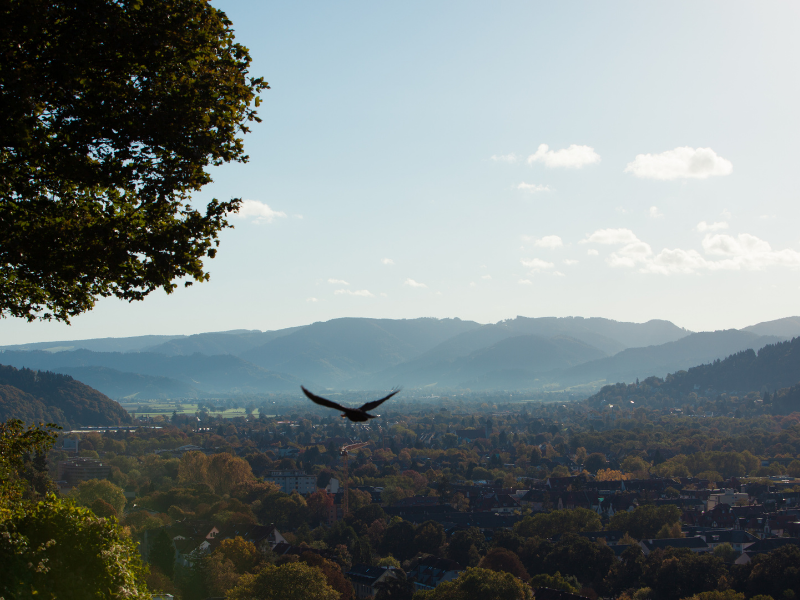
[729, 497]
[695, 544]
[431, 571]
[75, 470]
[365, 579]
[290, 481]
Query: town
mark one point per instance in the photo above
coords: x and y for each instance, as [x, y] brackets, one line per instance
[594, 498]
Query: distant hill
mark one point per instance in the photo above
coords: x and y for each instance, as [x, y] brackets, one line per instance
[445, 364]
[342, 350]
[788, 327]
[694, 349]
[221, 342]
[132, 386]
[774, 368]
[512, 363]
[365, 353]
[36, 396]
[224, 374]
[125, 344]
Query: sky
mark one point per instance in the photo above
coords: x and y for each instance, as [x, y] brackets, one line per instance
[478, 160]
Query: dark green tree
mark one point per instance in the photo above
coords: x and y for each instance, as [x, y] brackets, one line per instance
[429, 537]
[111, 113]
[161, 553]
[399, 540]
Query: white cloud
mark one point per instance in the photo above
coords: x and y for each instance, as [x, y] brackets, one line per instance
[536, 264]
[525, 282]
[365, 293]
[298, 216]
[558, 274]
[611, 236]
[338, 281]
[472, 284]
[702, 226]
[592, 252]
[387, 261]
[384, 294]
[486, 276]
[655, 213]
[510, 158]
[573, 157]
[548, 241]
[311, 300]
[680, 163]
[258, 211]
[722, 252]
[570, 261]
[726, 213]
[416, 284]
[533, 188]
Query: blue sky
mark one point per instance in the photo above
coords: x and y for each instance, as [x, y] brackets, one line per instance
[399, 170]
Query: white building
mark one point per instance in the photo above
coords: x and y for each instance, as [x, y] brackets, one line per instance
[290, 481]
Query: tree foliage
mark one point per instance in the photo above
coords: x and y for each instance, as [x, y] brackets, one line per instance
[110, 114]
[479, 584]
[290, 581]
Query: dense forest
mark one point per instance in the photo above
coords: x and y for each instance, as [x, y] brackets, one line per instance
[42, 396]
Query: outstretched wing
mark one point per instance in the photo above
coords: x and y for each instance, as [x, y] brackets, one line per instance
[322, 401]
[377, 403]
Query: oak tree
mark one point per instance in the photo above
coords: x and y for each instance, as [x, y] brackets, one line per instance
[111, 113]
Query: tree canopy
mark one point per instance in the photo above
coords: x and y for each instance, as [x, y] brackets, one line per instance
[110, 113]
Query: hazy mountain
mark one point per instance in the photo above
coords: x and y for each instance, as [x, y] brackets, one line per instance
[211, 374]
[36, 396]
[689, 351]
[513, 363]
[222, 342]
[788, 327]
[603, 335]
[339, 350]
[119, 385]
[125, 344]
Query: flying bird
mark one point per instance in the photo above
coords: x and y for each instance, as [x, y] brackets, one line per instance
[354, 414]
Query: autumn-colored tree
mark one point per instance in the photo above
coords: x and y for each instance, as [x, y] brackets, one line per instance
[319, 504]
[611, 475]
[546, 525]
[644, 521]
[103, 509]
[243, 554]
[226, 471]
[193, 468]
[333, 574]
[219, 574]
[501, 559]
[87, 492]
[556, 581]
[290, 581]
[479, 584]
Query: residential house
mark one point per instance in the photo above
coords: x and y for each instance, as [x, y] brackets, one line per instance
[432, 570]
[695, 544]
[365, 579]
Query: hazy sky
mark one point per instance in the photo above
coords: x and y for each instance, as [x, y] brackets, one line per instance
[484, 160]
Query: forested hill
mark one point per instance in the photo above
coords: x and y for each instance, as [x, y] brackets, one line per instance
[36, 396]
[775, 369]
[775, 366]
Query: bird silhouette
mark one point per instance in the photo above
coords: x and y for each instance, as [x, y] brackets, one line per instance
[354, 414]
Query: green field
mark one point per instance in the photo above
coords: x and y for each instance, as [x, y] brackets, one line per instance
[153, 409]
